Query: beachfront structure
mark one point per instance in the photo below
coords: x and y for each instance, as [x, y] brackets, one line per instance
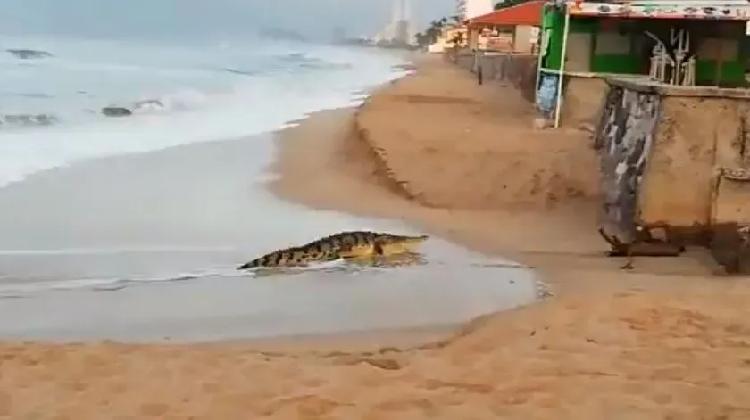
[468, 9]
[451, 36]
[514, 29]
[688, 43]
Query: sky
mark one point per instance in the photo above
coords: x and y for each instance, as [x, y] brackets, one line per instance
[196, 18]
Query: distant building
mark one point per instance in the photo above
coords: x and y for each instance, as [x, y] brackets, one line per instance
[511, 29]
[468, 9]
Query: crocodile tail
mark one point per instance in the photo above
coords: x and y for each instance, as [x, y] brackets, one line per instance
[278, 258]
[295, 256]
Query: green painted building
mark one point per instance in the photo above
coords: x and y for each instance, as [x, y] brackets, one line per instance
[605, 38]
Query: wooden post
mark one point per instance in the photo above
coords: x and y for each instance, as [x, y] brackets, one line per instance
[561, 74]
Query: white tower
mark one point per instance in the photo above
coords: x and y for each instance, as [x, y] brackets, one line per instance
[399, 27]
[399, 11]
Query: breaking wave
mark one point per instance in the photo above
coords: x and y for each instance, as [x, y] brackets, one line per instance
[59, 109]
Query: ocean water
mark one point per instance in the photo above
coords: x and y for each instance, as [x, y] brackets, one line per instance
[155, 210]
[179, 93]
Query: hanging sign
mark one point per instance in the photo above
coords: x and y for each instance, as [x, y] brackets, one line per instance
[661, 11]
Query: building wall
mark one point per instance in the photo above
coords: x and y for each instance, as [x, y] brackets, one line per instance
[522, 38]
[728, 46]
[608, 51]
[469, 9]
[612, 54]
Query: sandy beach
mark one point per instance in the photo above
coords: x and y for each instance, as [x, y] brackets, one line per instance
[663, 341]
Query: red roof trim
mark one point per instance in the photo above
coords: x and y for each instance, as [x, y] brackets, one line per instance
[529, 13]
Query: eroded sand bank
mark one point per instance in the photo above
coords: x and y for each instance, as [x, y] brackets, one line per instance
[662, 342]
[473, 170]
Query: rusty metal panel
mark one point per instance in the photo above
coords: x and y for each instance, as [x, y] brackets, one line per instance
[624, 139]
[732, 196]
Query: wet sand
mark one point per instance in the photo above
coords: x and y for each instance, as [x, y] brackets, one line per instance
[663, 341]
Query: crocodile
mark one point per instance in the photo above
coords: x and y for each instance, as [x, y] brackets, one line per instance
[346, 245]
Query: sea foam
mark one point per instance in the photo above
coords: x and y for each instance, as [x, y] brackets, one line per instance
[178, 95]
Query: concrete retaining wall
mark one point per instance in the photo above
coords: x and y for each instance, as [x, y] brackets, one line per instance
[674, 156]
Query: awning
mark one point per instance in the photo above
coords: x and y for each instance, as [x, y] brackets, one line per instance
[529, 13]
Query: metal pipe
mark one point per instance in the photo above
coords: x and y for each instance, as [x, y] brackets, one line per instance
[561, 75]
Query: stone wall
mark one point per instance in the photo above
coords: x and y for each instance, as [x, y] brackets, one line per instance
[624, 139]
[518, 69]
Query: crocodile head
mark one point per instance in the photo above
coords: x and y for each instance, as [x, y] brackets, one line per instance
[398, 244]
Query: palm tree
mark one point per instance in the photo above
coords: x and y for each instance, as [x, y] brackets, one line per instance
[423, 40]
[435, 29]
